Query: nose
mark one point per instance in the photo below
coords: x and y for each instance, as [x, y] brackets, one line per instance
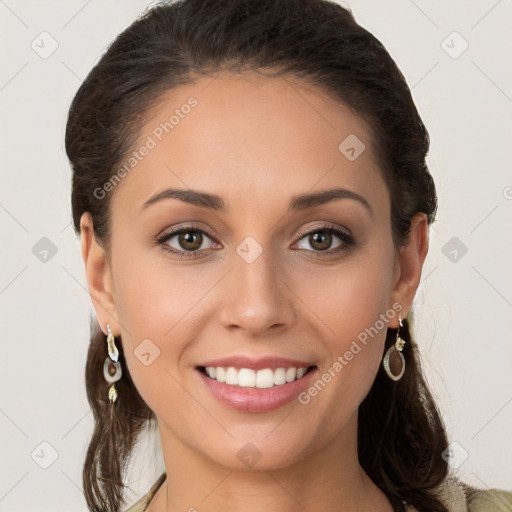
[258, 299]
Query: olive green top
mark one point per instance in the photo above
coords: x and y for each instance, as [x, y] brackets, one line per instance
[455, 494]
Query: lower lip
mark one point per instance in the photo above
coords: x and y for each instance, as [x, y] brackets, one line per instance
[256, 399]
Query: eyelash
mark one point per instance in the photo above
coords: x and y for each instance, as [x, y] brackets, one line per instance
[347, 240]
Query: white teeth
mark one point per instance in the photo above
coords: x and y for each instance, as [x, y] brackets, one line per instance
[279, 376]
[244, 377]
[248, 378]
[232, 376]
[264, 378]
[291, 373]
[220, 374]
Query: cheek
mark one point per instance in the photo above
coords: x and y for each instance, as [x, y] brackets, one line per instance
[348, 298]
[159, 305]
[351, 306]
[153, 294]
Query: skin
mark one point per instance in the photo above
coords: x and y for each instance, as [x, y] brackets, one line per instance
[256, 142]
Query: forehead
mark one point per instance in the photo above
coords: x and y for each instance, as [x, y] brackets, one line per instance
[248, 138]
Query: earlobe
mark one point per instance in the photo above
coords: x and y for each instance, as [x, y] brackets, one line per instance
[98, 274]
[411, 259]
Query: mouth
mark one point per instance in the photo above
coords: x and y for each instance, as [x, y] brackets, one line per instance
[256, 390]
[259, 379]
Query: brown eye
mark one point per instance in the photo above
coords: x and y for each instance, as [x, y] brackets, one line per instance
[186, 242]
[321, 240]
[191, 240]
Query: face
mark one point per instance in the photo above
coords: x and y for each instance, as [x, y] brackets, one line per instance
[262, 274]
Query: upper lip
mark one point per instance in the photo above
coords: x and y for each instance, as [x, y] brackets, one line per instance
[272, 362]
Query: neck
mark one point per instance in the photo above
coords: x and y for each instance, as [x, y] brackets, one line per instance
[329, 479]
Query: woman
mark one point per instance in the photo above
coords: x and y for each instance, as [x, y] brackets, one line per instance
[251, 190]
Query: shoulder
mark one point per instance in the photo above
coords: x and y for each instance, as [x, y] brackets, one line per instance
[142, 503]
[457, 496]
[490, 500]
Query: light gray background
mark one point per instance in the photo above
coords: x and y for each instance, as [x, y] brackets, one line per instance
[464, 304]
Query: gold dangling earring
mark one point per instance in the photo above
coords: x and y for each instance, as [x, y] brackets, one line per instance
[112, 367]
[394, 357]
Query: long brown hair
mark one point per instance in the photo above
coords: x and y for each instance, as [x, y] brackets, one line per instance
[401, 434]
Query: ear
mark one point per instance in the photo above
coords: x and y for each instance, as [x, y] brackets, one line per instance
[99, 278]
[410, 263]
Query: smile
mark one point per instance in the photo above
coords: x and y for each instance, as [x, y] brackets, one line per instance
[249, 378]
[255, 391]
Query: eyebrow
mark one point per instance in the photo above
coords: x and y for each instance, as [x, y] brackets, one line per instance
[298, 202]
